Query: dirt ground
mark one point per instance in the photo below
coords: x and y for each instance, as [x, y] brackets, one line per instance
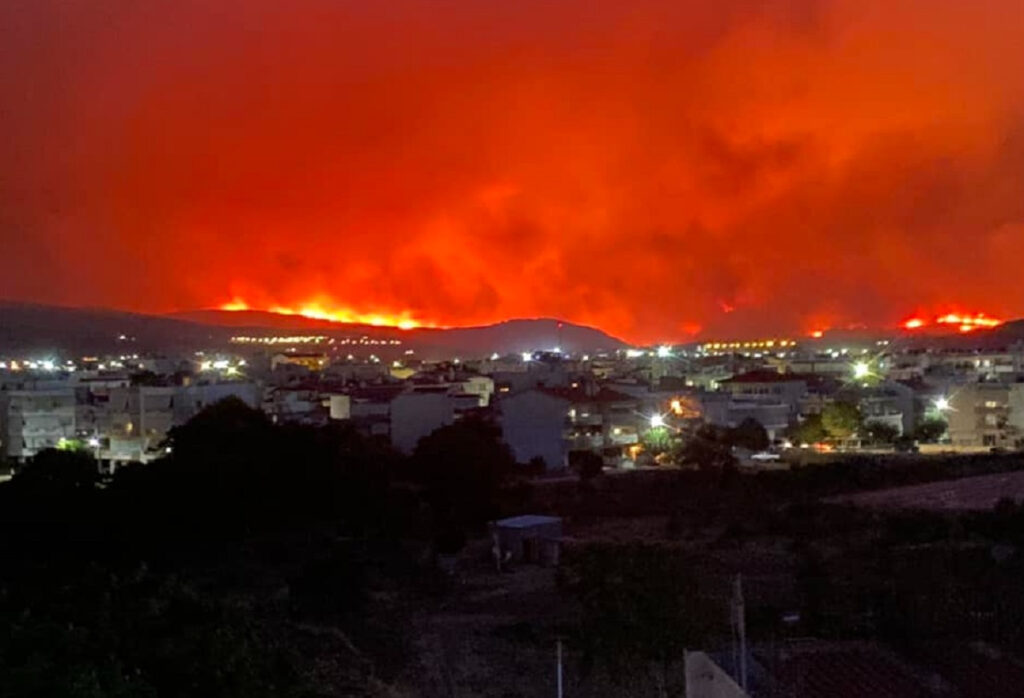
[495, 635]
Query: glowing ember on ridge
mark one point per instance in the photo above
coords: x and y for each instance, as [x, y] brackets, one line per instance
[319, 311]
[964, 322]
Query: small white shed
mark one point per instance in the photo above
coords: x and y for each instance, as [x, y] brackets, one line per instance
[528, 538]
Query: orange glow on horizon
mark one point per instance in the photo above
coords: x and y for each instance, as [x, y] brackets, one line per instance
[963, 322]
[320, 311]
[664, 171]
[323, 308]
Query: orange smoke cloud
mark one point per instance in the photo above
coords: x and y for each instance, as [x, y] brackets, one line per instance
[639, 166]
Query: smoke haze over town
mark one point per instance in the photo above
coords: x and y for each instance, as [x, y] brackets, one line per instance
[661, 170]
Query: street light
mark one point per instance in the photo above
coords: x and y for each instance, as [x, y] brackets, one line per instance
[657, 421]
[861, 369]
[942, 404]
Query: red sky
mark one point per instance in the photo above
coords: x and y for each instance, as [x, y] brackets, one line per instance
[651, 167]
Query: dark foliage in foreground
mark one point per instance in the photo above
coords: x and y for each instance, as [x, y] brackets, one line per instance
[210, 571]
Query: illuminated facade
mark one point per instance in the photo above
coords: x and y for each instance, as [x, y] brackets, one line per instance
[308, 360]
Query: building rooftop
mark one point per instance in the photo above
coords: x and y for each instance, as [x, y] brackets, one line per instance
[581, 395]
[765, 376]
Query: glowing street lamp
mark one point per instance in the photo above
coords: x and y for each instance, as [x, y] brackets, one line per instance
[657, 421]
[861, 370]
[942, 404]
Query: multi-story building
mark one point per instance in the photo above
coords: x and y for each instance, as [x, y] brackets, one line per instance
[889, 402]
[418, 413]
[987, 415]
[533, 424]
[722, 409]
[602, 420]
[309, 360]
[33, 420]
[119, 422]
[295, 404]
[767, 386]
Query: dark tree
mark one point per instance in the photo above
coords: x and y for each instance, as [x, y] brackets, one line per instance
[228, 430]
[640, 607]
[880, 432]
[586, 464]
[708, 449]
[749, 434]
[930, 430]
[461, 468]
[809, 431]
[841, 420]
[59, 471]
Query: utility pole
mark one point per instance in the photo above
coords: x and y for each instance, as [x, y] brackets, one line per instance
[558, 665]
[739, 620]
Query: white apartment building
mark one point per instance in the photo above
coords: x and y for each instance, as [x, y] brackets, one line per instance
[33, 420]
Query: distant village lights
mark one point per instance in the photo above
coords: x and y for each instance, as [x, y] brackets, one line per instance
[755, 345]
[315, 339]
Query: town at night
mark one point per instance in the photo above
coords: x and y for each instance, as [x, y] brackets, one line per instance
[452, 348]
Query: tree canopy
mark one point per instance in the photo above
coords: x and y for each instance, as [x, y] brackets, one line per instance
[930, 430]
[879, 432]
[749, 434]
[841, 420]
[708, 449]
[461, 468]
[809, 431]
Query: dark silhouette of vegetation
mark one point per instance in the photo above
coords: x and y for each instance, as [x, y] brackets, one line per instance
[58, 471]
[257, 559]
[882, 433]
[749, 434]
[709, 449]
[461, 469]
[930, 430]
[809, 431]
[841, 420]
[639, 607]
[206, 571]
[586, 464]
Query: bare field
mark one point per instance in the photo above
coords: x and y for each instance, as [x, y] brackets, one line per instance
[976, 493]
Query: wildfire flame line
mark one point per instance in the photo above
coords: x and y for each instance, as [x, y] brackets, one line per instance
[318, 311]
[964, 323]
